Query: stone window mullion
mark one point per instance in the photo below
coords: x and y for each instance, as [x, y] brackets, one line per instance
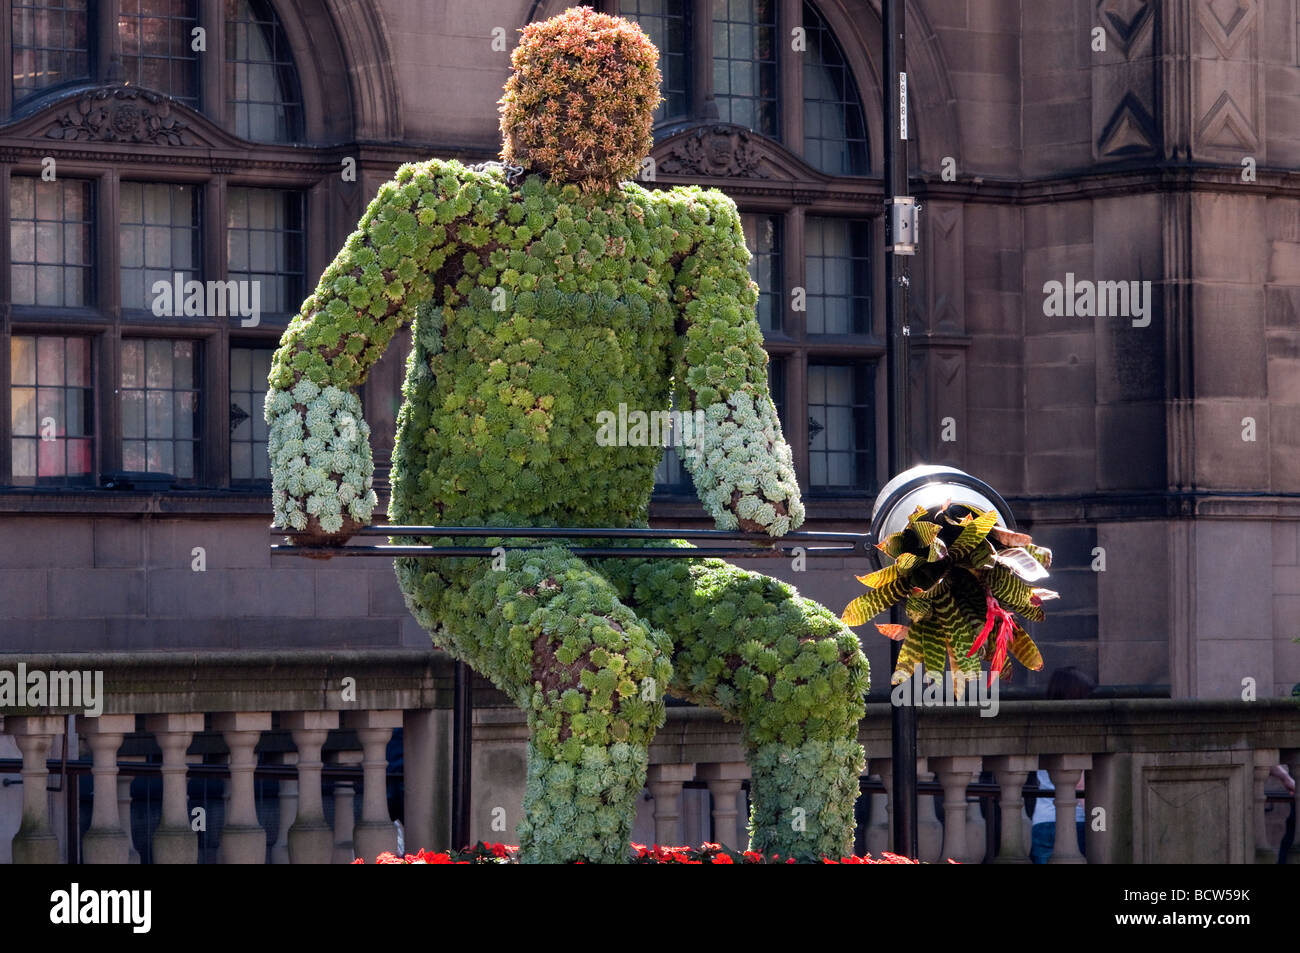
[703, 106]
[795, 326]
[107, 50]
[790, 75]
[6, 108]
[212, 91]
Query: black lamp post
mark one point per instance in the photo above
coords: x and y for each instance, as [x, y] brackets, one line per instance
[900, 242]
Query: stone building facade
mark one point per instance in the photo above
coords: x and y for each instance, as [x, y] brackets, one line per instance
[1143, 420]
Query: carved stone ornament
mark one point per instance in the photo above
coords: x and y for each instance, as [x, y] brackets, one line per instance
[717, 151]
[120, 114]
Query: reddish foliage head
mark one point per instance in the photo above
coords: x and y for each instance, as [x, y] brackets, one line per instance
[580, 103]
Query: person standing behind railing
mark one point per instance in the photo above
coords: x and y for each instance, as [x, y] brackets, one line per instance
[1065, 683]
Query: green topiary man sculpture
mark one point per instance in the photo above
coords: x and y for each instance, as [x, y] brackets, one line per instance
[543, 291]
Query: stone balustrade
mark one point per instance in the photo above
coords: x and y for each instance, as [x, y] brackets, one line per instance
[1167, 781]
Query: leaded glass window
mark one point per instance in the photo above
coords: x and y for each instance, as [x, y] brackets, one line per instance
[261, 83]
[763, 239]
[51, 409]
[841, 426]
[249, 367]
[159, 391]
[51, 252]
[158, 238]
[50, 44]
[667, 23]
[834, 127]
[838, 275]
[264, 240]
[157, 46]
[744, 63]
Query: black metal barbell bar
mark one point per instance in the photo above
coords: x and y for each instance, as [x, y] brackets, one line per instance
[763, 546]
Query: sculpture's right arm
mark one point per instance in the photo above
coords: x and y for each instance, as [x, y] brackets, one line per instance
[321, 463]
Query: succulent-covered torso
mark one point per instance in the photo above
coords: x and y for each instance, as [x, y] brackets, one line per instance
[556, 311]
[536, 308]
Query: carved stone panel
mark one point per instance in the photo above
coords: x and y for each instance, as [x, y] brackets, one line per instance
[120, 114]
[1227, 80]
[719, 150]
[1193, 808]
[1124, 77]
[944, 279]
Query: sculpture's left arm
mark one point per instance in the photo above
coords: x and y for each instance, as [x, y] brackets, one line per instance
[321, 464]
[741, 465]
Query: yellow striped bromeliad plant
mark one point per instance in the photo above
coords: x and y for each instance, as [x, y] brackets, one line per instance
[962, 580]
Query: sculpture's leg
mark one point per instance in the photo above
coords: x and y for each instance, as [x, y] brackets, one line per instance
[551, 632]
[787, 668]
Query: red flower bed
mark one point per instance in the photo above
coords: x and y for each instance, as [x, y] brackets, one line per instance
[484, 853]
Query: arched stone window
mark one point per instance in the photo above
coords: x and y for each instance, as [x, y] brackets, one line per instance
[834, 127]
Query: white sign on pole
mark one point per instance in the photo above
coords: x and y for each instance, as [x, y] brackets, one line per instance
[902, 106]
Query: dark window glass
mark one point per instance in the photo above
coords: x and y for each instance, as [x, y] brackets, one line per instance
[776, 385]
[763, 238]
[671, 477]
[158, 237]
[841, 427]
[51, 252]
[834, 127]
[838, 275]
[157, 48]
[744, 63]
[261, 82]
[50, 45]
[51, 409]
[159, 391]
[667, 23]
[249, 367]
[264, 240]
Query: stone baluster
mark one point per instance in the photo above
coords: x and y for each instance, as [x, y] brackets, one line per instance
[955, 774]
[1064, 770]
[124, 806]
[243, 840]
[1010, 771]
[878, 829]
[106, 840]
[345, 791]
[375, 832]
[977, 834]
[1291, 758]
[884, 768]
[725, 779]
[35, 842]
[174, 842]
[929, 832]
[310, 839]
[288, 806]
[665, 783]
[1264, 852]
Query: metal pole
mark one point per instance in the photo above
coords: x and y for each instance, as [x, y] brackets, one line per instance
[902, 718]
[462, 740]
